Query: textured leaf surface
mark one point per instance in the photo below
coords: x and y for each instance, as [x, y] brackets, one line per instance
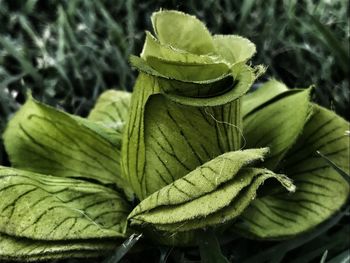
[23, 249]
[321, 191]
[112, 109]
[153, 48]
[186, 71]
[263, 94]
[182, 31]
[216, 92]
[161, 142]
[277, 125]
[185, 108]
[188, 202]
[54, 208]
[234, 49]
[202, 180]
[44, 140]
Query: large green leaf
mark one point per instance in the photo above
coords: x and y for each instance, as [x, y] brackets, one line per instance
[23, 249]
[215, 192]
[161, 133]
[44, 207]
[112, 109]
[185, 108]
[320, 190]
[182, 31]
[277, 124]
[44, 140]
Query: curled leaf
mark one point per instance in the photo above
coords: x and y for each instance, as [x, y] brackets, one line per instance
[277, 124]
[234, 49]
[191, 34]
[321, 191]
[161, 133]
[198, 199]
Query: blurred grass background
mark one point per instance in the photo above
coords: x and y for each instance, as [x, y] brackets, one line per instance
[68, 51]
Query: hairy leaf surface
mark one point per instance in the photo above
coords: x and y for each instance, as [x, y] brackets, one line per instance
[269, 90]
[44, 140]
[234, 49]
[204, 192]
[23, 249]
[277, 125]
[153, 48]
[191, 34]
[160, 133]
[320, 190]
[44, 207]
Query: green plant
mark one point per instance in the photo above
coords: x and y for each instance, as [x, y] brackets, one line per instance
[189, 143]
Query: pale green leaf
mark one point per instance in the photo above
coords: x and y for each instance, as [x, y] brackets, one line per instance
[262, 95]
[225, 92]
[320, 190]
[153, 48]
[186, 71]
[42, 139]
[44, 207]
[175, 146]
[23, 249]
[142, 65]
[220, 169]
[197, 199]
[277, 124]
[233, 49]
[112, 109]
[182, 31]
[161, 142]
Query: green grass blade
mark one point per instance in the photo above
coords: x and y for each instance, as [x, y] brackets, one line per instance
[343, 257]
[123, 249]
[333, 44]
[336, 167]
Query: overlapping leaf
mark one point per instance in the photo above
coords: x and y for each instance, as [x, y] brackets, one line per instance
[161, 134]
[183, 69]
[112, 109]
[153, 48]
[44, 140]
[262, 95]
[44, 207]
[182, 31]
[321, 191]
[23, 249]
[217, 191]
[277, 124]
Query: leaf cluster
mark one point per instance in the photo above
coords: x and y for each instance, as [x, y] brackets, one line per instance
[68, 53]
